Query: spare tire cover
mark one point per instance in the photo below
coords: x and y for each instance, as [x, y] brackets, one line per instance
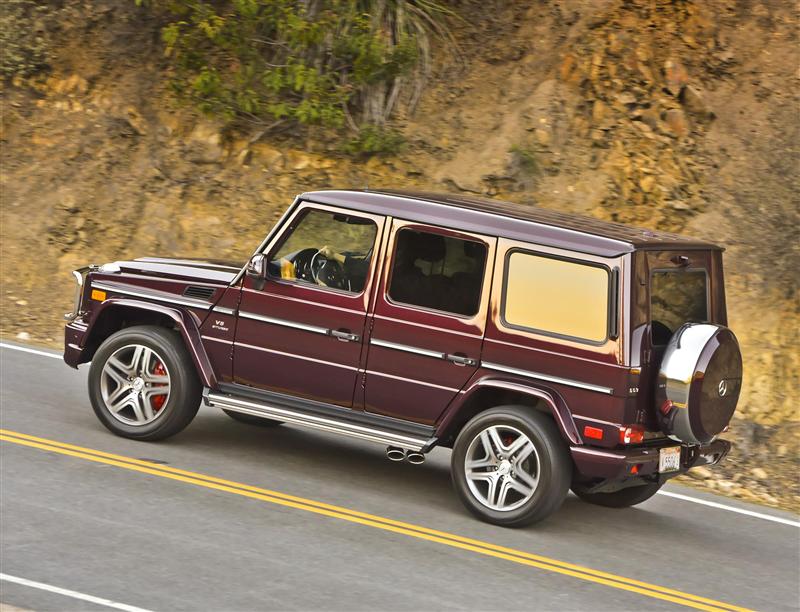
[698, 382]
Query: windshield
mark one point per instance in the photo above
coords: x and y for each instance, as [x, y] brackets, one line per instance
[676, 297]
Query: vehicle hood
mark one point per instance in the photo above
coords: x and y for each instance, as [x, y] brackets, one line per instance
[197, 270]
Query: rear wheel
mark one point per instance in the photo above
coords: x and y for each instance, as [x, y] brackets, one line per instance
[143, 383]
[251, 420]
[623, 498]
[510, 466]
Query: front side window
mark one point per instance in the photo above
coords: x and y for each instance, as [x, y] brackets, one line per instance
[556, 297]
[437, 272]
[326, 249]
[676, 297]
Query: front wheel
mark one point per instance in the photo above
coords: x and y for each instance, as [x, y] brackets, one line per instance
[510, 466]
[143, 383]
[624, 498]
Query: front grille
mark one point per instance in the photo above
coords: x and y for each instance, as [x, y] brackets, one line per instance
[200, 293]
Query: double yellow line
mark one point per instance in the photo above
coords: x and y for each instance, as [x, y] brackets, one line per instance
[369, 520]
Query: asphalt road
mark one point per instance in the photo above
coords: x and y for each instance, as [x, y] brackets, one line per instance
[144, 535]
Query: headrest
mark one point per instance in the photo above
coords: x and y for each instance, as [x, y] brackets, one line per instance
[474, 250]
[427, 247]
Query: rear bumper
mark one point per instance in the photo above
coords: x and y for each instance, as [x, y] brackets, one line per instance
[74, 339]
[614, 465]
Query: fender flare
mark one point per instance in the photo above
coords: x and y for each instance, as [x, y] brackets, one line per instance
[555, 403]
[186, 322]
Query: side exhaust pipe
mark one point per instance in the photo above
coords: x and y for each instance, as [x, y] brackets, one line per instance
[415, 458]
[394, 453]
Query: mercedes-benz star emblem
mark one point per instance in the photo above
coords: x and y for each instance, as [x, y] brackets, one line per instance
[723, 387]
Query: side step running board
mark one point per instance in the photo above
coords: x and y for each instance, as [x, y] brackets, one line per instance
[290, 415]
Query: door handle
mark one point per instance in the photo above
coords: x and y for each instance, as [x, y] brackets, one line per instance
[461, 360]
[344, 335]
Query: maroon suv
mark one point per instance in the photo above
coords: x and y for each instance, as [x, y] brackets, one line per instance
[548, 351]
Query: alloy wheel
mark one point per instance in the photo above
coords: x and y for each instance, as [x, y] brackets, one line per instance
[135, 385]
[502, 468]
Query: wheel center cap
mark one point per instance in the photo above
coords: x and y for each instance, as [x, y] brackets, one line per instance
[138, 384]
[505, 467]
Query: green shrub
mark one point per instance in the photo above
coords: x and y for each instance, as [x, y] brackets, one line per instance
[331, 63]
[23, 43]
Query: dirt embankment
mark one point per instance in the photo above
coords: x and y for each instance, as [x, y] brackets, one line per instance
[678, 116]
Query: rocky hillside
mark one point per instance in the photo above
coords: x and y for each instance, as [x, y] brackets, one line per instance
[669, 115]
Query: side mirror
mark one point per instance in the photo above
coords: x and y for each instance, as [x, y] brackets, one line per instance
[257, 270]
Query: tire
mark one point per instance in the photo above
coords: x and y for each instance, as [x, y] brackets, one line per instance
[252, 420]
[624, 498]
[544, 456]
[143, 384]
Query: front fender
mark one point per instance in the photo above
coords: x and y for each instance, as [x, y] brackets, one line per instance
[185, 321]
[554, 402]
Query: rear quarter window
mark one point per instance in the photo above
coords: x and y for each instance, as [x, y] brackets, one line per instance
[556, 297]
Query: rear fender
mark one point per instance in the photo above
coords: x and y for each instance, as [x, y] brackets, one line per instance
[552, 401]
[185, 321]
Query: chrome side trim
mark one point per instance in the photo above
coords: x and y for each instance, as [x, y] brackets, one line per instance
[213, 339]
[409, 380]
[548, 378]
[295, 356]
[152, 296]
[222, 310]
[315, 422]
[408, 349]
[284, 323]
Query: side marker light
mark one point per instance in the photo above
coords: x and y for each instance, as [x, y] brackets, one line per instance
[595, 433]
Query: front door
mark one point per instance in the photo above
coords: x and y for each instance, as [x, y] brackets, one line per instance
[301, 333]
[429, 318]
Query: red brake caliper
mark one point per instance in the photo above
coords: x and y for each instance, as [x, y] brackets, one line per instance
[157, 401]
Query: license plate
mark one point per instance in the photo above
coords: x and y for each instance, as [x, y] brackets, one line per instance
[669, 459]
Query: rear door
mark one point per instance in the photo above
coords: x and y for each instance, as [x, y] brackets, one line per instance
[301, 333]
[428, 323]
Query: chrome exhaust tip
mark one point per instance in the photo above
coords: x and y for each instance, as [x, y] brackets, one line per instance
[415, 458]
[394, 453]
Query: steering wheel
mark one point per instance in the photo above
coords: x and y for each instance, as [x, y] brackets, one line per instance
[328, 272]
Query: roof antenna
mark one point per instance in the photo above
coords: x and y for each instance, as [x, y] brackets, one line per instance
[366, 184]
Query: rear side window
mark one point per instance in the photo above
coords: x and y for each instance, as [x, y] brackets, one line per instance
[437, 272]
[677, 297]
[556, 297]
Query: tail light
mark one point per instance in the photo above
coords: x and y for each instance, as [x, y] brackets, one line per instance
[631, 434]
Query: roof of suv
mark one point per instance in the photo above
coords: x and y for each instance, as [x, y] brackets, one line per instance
[515, 221]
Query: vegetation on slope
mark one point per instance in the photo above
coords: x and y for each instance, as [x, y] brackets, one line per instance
[288, 63]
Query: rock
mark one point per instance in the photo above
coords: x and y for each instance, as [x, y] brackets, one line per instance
[678, 205]
[675, 75]
[677, 122]
[647, 184]
[693, 100]
[644, 129]
[21, 302]
[268, 155]
[759, 473]
[298, 160]
[543, 136]
[23, 336]
[626, 98]
[599, 111]
[700, 473]
[207, 143]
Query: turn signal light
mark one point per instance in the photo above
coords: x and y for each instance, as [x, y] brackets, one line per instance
[98, 295]
[595, 433]
[633, 434]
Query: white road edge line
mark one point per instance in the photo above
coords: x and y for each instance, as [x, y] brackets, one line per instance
[695, 500]
[74, 594]
[25, 349]
[703, 502]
